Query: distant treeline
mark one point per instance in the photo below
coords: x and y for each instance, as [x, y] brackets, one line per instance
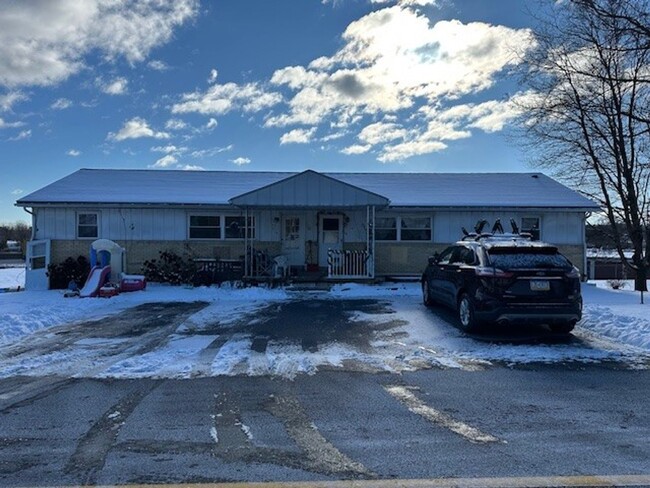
[600, 236]
[19, 231]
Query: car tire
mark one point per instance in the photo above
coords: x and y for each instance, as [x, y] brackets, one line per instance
[563, 328]
[466, 314]
[426, 294]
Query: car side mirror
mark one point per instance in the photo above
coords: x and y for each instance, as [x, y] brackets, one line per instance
[434, 259]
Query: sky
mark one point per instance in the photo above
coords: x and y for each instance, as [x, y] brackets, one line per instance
[257, 85]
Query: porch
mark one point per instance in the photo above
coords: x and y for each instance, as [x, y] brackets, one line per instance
[324, 228]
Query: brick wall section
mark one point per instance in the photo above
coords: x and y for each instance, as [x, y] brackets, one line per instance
[411, 258]
[137, 252]
[391, 258]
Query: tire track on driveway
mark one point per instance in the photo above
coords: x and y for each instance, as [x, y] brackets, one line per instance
[322, 456]
[417, 406]
[90, 455]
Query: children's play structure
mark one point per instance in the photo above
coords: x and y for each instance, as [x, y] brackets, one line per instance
[107, 277]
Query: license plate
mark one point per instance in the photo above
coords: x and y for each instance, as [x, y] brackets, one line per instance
[540, 285]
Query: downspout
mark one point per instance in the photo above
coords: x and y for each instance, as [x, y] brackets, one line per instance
[30, 212]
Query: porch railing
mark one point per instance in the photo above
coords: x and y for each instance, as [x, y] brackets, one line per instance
[349, 264]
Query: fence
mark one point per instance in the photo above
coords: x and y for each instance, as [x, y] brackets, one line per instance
[349, 264]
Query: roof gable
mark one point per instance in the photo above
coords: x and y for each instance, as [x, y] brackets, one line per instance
[309, 189]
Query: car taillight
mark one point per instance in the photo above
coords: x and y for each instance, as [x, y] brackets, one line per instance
[486, 272]
[574, 273]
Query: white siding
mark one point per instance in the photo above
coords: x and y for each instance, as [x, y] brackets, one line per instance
[172, 224]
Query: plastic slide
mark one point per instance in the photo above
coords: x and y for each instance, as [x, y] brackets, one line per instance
[96, 279]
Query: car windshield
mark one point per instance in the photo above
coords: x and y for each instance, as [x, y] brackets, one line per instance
[536, 259]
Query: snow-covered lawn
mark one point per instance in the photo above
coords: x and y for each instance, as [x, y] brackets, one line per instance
[12, 278]
[407, 337]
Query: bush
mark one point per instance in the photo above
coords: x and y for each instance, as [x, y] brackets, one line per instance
[71, 269]
[169, 268]
[616, 284]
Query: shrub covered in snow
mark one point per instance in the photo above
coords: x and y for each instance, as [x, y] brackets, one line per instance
[170, 268]
[71, 269]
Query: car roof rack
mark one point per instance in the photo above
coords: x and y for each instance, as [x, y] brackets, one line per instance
[497, 232]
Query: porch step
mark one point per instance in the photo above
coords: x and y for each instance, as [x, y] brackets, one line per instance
[310, 286]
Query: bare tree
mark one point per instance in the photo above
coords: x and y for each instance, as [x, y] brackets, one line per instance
[587, 111]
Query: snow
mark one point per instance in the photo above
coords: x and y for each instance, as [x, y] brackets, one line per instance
[219, 187]
[408, 336]
[12, 278]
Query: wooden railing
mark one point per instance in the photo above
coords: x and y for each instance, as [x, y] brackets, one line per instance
[349, 264]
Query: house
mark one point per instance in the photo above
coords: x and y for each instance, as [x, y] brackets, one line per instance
[351, 225]
[606, 264]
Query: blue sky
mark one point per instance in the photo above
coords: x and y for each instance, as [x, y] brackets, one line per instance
[339, 85]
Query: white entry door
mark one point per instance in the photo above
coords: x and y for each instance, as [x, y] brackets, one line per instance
[293, 240]
[330, 236]
[38, 258]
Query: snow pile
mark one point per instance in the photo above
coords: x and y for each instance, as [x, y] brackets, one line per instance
[403, 335]
[12, 278]
[617, 314]
[26, 312]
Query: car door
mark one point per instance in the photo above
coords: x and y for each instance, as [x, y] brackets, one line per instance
[449, 275]
[438, 275]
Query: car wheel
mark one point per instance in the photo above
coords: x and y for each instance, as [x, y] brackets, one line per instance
[426, 294]
[466, 314]
[563, 328]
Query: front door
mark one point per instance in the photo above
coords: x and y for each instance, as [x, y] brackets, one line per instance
[293, 240]
[330, 236]
[38, 259]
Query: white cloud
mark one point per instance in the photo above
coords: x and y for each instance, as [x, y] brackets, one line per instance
[158, 65]
[204, 153]
[169, 149]
[117, 86]
[221, 99]
[356, 149]
[10, 98]
[175, 124]
[61, 104]
[73, 152]
[405, 150]
[9, 125]
[190, 167]
[240, 161]
[136, 128]
[212, 123]
[393, 63]
[298, 136]
[17, 191]
[165, 162]
[213, 76]
[381, 132]
[23, 134]
[44, 42]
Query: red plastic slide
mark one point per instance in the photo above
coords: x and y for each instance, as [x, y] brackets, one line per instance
[95, 281]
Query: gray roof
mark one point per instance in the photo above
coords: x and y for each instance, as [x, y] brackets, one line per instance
[119, 186]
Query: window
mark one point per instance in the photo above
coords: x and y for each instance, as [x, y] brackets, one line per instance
[415, 229]
[87, 226]
[236, 227]
[205, 227]
[291, 229]
[463, 255]
[531, 225]
[446, 255]
[386, 229]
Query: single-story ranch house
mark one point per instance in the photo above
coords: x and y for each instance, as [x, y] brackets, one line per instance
[350, 225]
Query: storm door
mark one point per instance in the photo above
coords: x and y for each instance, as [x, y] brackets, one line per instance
[330, 236]
[293, 240]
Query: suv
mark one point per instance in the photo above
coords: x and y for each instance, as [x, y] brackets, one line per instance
[504, 279]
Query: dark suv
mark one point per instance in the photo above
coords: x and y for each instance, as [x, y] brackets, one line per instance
[505, 279]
